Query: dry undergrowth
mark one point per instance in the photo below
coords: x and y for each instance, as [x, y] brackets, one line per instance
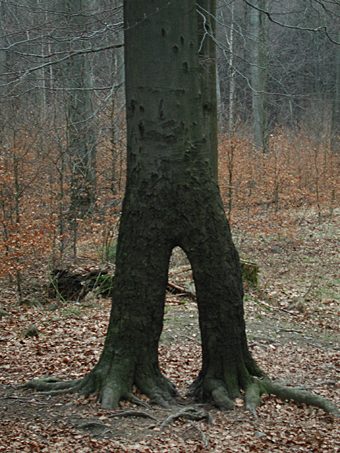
[292, 329]
[282, 210]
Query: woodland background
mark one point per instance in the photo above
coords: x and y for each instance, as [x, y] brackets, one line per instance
[62, 136]
[62, 172]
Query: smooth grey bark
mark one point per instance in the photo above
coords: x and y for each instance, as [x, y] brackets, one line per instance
[3, 53]
[335, 127]
[258, 73]
[229, 56]
[3, 76]
[232, 74]
[81, 137]
[207, 59]
[117, 106]
[42, 75]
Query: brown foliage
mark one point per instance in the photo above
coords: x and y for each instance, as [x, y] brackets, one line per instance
[296, 173]
[34, 194]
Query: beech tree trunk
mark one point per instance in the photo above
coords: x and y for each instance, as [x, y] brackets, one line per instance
[171, 200]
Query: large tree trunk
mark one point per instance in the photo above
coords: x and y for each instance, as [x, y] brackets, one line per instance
[171, 200]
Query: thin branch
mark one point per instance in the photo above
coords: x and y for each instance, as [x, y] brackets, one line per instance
[243, 76]
[61, 60]
[131, 413]
[320, 29]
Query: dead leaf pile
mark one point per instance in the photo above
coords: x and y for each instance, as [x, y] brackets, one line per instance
[292, 330]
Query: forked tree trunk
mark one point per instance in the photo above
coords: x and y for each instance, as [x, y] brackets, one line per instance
[171, 200]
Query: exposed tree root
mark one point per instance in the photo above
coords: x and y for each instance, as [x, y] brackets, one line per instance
[298, 395]
[253, 397]
[111, 386]
[214, 390]
[138, 402]
[51, 385]
[205, 439]
[190, 413]
[217, 392]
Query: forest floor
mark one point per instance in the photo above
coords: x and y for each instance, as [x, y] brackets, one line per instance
[292, 324]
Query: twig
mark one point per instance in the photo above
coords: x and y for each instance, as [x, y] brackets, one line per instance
[275, 308]
[205, 439]
[130, 413]
[189, 413]
[179, 289]
[289, 330]
[180, 269]
[23, 400]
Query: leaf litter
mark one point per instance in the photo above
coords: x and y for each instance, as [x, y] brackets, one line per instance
[292, 328]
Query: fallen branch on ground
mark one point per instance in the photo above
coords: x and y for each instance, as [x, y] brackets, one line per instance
[129, 413]
[179, 290]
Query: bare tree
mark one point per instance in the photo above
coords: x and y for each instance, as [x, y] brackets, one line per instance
[258, 52]
[78, 80]
[335, 128]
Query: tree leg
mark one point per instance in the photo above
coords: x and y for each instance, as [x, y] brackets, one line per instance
[227, 365]
[130, 354]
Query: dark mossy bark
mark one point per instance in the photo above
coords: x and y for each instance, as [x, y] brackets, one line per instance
[172, 200]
